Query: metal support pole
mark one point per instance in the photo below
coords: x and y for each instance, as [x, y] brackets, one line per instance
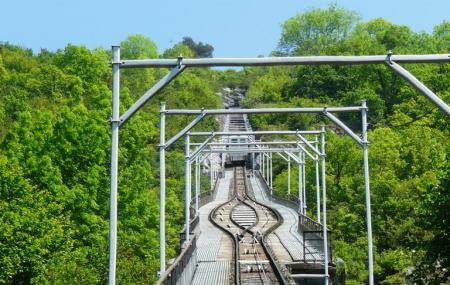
[215, 169]
[263, 165]
[185, 130]
[298, 60]
[152, 91]
[190, 183]
[253, 162]
[115, 122]
[304, 182]
[324, 206]
[317, 189]
[162, 189]
[252, 133]
[289, 176]
[271, 174]
[300, 186]
[260, 162]
[211, 171]
[187, 188]
[197, 183]
[367, 188]
[418, 85]
[258, 111]
[268, 169]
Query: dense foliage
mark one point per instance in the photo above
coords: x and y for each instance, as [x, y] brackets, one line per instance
[55, 136]
[54, 164]
[409, 146]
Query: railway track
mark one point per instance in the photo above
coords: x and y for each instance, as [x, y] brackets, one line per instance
[247, 222]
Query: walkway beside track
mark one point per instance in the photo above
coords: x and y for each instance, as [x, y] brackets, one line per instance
[214, 247]
[286, 242]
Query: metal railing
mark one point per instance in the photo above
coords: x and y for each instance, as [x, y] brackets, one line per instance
[193, 223]
[310, 230]
[183, 268]
[312, 233]
[204, 198]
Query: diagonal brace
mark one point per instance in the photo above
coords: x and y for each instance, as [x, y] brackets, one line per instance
[343, 126]
[185, 130]
[282, 156]
[296, 159]
[205, 157]
[202, 146]
[151, 92]
[306, 151]
[305, 141]
[418, 85]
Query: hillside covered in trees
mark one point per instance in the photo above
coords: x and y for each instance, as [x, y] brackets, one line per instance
[55, 144]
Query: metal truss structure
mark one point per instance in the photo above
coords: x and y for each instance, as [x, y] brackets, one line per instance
[179, 65]
[288, 151]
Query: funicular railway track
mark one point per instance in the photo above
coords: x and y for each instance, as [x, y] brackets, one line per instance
[247, 222]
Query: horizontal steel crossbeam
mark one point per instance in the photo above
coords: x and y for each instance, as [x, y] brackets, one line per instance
[260, 111]
[297, 60]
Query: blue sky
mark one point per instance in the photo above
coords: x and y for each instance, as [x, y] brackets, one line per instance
[234, 27]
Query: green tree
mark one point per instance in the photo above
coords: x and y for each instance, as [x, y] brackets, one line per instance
[316, 31]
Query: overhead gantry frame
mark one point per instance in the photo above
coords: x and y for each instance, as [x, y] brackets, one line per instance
[280, 148]
[180, 64]
[324, 111]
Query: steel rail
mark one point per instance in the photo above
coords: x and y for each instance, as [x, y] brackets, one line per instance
[243, 200]
[264, 235]
[233, 237]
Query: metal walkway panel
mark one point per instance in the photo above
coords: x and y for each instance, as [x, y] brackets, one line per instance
[213, 252]
[209, 241]
[208, 249]
[287, 232]
[217, 273]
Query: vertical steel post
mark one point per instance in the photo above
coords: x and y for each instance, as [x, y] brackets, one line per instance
[304, 182]
[260, 162]
[215, 170]
[253, 162]
[300, 186]
[197, 183]
[367, 188]
[317, 189]
[268, 170]
[187, 188]
[115, 121]
[211, 170]
[324, 206]
[289, 176]
[263, 165]
[162, 189]
[271, 175]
